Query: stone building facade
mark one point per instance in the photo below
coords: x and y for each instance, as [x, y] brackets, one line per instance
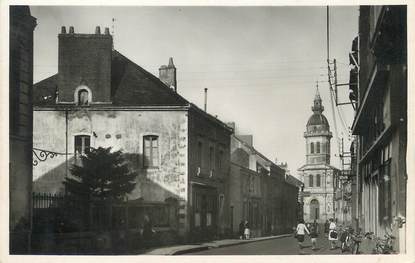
[380, 123]
[22, 25]
[258, 191]
[318, 176]
[99, 98]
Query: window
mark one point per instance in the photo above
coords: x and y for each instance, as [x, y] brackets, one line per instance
[199, 153]
[82, 144]
[385, 192]
[219, 161]
[197, 209]
[312, 147]
[221, 201]
[318, 147]
[83, 97]
[211, 158]
[151, 151]
[310, 182]
[318, 181]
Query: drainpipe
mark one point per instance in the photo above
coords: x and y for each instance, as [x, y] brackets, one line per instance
[66, 144]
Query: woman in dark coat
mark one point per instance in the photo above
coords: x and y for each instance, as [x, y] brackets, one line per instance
[241, 230]
[147, 232]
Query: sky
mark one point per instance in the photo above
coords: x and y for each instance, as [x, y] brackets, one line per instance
[261, 65]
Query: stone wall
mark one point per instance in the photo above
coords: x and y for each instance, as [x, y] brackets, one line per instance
[121, 130]
[22, 25]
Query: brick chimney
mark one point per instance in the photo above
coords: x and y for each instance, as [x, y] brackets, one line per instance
[167, 74]
[84, 60]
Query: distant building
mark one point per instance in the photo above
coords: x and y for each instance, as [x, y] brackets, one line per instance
[258, 192]
[294, 181]
[22, 25]
[318, 176]
[101, 98]
[381, 121]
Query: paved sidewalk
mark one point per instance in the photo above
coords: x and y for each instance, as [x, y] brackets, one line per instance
[183, 249]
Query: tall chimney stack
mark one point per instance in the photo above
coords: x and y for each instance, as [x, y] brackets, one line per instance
[107, 31]
[84, 59]
[167, 74]
[63, 30]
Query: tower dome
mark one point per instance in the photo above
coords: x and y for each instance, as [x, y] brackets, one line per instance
[317, 121]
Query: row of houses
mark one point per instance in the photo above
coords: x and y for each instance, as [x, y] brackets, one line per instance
[100, 98]
[379, 89]
[260, 190]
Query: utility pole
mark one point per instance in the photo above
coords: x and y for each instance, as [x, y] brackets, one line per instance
[206, 99]
[335, 80]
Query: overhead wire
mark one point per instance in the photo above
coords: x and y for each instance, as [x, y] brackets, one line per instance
[331, 91]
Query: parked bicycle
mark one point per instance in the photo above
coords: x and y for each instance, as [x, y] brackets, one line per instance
[385, 245]
[347, 242]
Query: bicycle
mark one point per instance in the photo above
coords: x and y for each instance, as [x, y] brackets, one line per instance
[385, 245]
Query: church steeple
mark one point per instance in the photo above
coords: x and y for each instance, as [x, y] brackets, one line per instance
[317, 107]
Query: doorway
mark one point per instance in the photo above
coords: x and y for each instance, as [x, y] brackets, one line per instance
[314, 209]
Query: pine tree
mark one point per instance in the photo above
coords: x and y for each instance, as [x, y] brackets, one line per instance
[102, 175]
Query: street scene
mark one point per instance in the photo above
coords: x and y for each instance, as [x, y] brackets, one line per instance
[208, 130]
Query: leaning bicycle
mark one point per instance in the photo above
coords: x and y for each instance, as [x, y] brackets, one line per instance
[385, 245]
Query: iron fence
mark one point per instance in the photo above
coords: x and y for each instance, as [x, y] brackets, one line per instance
[66, 213]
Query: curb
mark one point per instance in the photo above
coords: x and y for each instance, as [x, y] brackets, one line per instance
[190, 250]
[197, 249]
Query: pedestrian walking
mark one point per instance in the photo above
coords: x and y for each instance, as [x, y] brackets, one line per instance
[326, 228]
[345, 239]
[241, 231]
[357, 239]
[300, 233]
[333, 235]
[317, 226]
[247, 231]
[147, 232]
[314, 231]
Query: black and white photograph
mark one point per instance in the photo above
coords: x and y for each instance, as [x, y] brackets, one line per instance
[207, 129]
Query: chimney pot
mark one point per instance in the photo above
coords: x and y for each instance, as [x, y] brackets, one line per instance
[71, 30]
[63, 30]
[98, 30]
[107, 31]
[171, 62]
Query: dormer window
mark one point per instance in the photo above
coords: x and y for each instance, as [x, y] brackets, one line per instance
[82, 96]
[83, 99]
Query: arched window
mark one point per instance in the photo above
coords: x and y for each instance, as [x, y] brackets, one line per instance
[83, 97]
[310, 182]
[318, 180]
[318, 147]
[312, 147]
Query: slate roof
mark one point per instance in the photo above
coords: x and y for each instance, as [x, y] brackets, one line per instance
[131, 85]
